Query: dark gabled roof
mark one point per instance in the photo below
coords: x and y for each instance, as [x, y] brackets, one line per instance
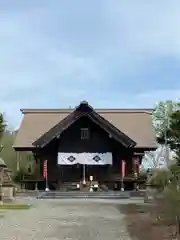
[84, 110]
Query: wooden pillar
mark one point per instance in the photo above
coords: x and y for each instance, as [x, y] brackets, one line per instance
[136, 164]
[37, 170]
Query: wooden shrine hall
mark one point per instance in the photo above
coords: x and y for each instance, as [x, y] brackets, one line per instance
[86, 144]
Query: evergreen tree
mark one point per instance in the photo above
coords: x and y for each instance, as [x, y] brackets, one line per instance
[2, 125]
[161, 116]
[174, 132]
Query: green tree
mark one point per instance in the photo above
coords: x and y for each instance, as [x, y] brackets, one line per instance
[19, 164]
[174, 131]
[161, 116]
[161, 121]
[169, 182]
[8, 154]
[2, 129]
[160, 178]
[167, 204]
[2, 125]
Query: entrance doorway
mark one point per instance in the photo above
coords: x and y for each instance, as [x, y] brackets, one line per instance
[71, 173]
[80, 172]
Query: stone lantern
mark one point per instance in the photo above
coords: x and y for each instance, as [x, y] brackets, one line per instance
[6, 185]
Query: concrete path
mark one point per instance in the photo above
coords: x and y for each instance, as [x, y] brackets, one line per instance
[65, 219]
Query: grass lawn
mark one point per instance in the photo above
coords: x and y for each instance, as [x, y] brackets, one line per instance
[142, 223]
[14, 206]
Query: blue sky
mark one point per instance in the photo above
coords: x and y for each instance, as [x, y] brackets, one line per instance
[112, 53]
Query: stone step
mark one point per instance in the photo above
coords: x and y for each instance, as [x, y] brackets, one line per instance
[80, 194]
[84, 197]
[28, 193]
[104, 195]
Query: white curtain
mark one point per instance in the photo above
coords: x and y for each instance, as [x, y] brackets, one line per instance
[85, 158]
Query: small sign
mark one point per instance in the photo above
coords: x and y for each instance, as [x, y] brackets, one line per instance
[123, 168]
[91, 178]
[45, 169]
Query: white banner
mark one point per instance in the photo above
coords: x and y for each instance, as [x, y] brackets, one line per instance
[85, 158]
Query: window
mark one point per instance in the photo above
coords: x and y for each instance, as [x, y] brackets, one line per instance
[84, 133]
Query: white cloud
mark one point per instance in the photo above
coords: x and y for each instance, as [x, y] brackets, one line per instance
[55, 55]
[152, 97]
[151, 27]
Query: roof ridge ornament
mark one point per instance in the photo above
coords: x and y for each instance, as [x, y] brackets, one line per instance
[84, 102]
[83, 105]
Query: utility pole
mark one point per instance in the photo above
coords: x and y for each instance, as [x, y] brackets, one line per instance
[165, 136]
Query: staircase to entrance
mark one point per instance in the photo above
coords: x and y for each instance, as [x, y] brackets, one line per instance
[83, 194]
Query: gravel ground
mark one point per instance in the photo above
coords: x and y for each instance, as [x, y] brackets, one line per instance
[81, 219]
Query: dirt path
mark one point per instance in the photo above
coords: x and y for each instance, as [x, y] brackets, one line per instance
[65, 219]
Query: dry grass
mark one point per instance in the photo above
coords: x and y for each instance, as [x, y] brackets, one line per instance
[144, 223]
[12, 206]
